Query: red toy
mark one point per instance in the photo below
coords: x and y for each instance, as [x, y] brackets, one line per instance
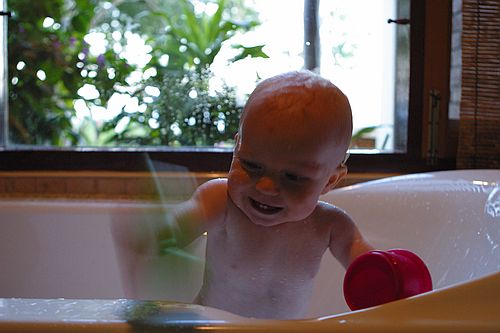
[378, 277]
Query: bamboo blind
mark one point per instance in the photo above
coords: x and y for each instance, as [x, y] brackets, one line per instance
[479, 137]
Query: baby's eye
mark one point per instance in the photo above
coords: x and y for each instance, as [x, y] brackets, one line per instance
[295, 178]
[250, 166]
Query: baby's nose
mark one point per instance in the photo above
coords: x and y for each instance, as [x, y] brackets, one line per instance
[267, 185]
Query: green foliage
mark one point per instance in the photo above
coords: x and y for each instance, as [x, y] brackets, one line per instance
[363, 132]
[190, 115]
[42, 108]
[192, 41]
[185, 114]
[32, 48]
[45, 66]
[253, 52]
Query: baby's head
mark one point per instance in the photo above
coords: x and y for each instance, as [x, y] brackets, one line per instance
[301, 106]
[293, 136]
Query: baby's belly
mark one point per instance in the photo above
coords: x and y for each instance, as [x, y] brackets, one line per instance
[258, 294]
[264, 277]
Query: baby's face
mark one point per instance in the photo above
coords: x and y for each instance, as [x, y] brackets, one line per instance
[278, 173]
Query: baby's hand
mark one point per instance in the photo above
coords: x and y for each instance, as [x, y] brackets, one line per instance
[378, 277]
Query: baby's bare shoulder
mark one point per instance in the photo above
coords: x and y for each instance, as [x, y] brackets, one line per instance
[213, 187]
[333, 217]
[325, 210]
[211, 197]
[212, 192]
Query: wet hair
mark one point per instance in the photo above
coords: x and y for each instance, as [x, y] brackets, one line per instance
[298, 90]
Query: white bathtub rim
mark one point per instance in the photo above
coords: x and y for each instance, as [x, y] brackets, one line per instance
[450, 308]
[441, 311]
[477, 178]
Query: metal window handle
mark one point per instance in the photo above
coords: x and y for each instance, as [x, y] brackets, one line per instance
[402, 21]
[5, 13]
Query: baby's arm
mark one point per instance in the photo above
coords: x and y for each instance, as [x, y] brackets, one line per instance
[188, 220]
[150, 233]
[346, 241]
[142, 234]
[375, 277]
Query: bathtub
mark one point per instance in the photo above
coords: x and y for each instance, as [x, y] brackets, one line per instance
[62, 270]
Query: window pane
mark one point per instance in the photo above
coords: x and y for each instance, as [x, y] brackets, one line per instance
[177, 73]
[368, 59]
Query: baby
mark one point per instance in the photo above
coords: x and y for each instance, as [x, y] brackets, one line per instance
[267, 230]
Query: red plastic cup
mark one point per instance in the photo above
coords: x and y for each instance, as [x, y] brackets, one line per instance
[378, 277]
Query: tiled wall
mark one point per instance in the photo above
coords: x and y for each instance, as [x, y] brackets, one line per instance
[100, 185]
[111, 185]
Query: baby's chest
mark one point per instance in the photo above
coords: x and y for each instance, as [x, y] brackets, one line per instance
[266, 256]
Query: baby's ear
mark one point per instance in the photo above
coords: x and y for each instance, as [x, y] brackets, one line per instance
[335, 178]
[236, 140]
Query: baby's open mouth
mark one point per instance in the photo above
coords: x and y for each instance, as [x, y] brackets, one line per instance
[263, 208]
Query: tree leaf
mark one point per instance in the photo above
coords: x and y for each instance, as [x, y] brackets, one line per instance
[251, 51]
[364, 131]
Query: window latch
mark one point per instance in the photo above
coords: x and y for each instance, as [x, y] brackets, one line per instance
[5, 13]
[402, 21]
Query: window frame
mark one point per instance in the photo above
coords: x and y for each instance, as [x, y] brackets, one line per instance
[197, 159]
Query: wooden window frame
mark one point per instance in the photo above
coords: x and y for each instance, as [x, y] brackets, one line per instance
[429, 47]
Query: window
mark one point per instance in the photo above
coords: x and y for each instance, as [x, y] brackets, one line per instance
[143, 76]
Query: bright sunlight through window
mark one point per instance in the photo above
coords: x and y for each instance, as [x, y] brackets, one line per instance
[177, 73]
